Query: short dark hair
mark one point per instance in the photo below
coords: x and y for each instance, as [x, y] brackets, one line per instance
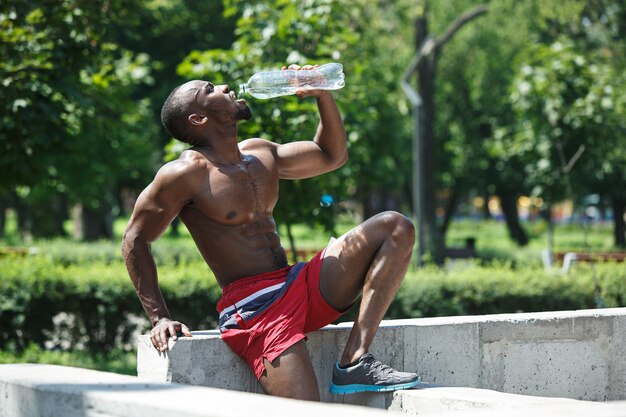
[174, 114]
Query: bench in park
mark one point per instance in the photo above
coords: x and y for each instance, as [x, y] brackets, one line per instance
[567, 259]
[468, 251]
[10, 251]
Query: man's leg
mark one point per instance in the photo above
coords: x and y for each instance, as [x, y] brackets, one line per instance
[370, 259]
[291, 375]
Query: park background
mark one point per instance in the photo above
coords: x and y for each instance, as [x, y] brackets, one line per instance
[526, 151]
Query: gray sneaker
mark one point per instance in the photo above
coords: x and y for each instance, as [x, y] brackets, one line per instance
[370, 374]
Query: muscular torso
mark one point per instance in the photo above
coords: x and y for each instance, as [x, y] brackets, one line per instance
[230, 215]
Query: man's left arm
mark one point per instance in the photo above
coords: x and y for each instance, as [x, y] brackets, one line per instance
[328, 149]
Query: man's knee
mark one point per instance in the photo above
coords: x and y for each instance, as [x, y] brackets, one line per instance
[400, 227]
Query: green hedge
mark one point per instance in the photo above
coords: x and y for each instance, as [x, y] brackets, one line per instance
[118, 361]
[500, 288]
[99, 298]
[102, 302]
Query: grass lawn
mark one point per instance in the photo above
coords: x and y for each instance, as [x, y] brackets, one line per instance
[491, 238]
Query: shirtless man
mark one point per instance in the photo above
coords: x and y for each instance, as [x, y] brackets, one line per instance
[224, 191]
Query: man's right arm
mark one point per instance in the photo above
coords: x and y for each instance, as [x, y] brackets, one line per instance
[155, 209]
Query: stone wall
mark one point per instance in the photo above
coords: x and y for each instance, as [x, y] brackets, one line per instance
[571, 354]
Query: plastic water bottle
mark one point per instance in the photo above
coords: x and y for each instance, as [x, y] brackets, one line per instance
[269, 84]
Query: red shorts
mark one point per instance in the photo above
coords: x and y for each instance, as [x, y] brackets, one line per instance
[263, 315]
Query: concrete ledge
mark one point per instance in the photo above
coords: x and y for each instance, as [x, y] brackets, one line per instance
[31, 390]
[458, 401]
[571, 354]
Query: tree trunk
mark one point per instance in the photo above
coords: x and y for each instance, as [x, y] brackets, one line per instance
[486, 210]
[92, 224]
[619, 234]
[24, 220]
[509, 209]
[4, 205]
[292, 243]
[426, 70]
[450, 210]
[174, 227]
[377, 202]
[48, 217]
[426, 73]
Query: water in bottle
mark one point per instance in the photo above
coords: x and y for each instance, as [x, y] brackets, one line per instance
[269, 84]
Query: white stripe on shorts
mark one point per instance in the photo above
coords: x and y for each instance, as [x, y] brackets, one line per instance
[250, 298]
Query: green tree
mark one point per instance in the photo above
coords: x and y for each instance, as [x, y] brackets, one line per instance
[167, 31]
[569, 99]
[571, 121]
[367, 40]
[66, 106]
[83, 84]
[480, 122]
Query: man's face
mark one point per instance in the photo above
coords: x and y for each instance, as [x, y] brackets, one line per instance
[217, 101]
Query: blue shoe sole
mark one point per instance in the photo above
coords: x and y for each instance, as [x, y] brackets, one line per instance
[354, 388]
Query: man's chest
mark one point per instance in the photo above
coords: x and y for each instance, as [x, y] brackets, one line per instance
[235, 194]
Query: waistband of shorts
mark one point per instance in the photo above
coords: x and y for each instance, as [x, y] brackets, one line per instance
[256, 303]
[240, 283]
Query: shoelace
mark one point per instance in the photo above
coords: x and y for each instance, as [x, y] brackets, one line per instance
[379, 369]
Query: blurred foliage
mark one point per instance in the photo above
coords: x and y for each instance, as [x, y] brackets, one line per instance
[501, 288]
[118, 361]
[91, 307]
[79, 114]
[270, 35]
[568, 103]
[67, 112]
[67, 252]
[493, 138]
[83, 83]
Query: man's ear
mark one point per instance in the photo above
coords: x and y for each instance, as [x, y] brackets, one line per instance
[196, 119]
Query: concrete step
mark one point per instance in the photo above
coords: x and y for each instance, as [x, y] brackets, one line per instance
[34, 390]
[472, 402]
